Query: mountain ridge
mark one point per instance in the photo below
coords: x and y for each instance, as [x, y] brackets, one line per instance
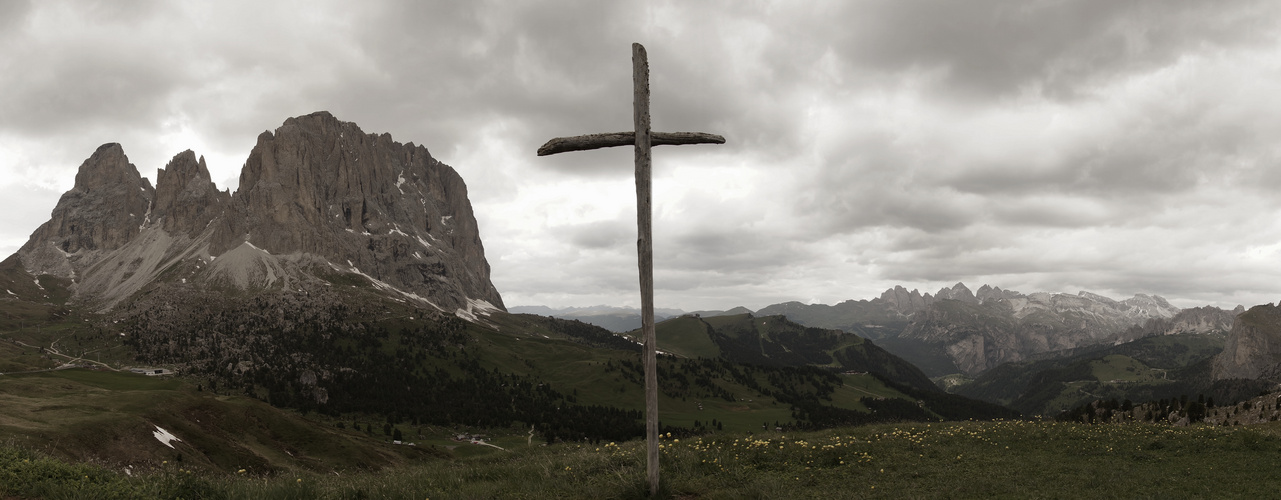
[306, 206]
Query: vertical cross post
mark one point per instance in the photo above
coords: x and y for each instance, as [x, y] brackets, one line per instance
[642, 138]
[645, 257]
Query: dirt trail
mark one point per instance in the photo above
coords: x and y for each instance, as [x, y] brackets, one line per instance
[70, 359]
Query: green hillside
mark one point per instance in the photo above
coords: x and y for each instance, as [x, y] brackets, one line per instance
[89, 415]
[294, 371]
[1148, 369]
[1001, 459]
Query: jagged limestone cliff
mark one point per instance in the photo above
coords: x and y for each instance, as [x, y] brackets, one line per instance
[317, 196]
[1253, 347]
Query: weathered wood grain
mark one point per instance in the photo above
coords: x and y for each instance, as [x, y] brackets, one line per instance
[613, 139]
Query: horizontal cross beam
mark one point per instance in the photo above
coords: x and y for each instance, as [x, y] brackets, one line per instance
[597, 141]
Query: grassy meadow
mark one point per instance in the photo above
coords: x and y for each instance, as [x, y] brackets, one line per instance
[999, 459]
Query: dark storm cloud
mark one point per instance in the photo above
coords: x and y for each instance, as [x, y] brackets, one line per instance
[79, 82]
[559, 69]
[83, 90]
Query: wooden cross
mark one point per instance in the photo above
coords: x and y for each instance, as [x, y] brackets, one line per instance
[642, 138]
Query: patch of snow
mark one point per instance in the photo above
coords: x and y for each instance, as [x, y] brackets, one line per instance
[399, 181]
[465, 314]
[445, 219]
[11, 292]
[382, 285]
[482, 307]
[37, 282]
[418, 256]
[350, 231]
[475, 307]
[146, 219]
[251, 245]
[424, 242]
[396, 230]
[164, 437]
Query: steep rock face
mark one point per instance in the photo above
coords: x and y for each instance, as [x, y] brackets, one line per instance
[959, 329]
[365, 203]
[1206, 320]
[318, 196]
[958, 292]
[186, 198]
[1253, 347]
[105, 209]
[906, 302]
[1008, 326]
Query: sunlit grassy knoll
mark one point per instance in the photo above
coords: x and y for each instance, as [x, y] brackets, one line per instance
[1003, 459]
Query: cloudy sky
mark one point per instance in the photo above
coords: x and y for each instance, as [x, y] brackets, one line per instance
[1120, 147]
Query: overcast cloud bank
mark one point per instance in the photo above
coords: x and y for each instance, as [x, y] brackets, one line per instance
[1116, 147]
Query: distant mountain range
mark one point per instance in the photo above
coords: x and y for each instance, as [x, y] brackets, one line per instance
[959, 331]
[1039, 353]
[614, 319]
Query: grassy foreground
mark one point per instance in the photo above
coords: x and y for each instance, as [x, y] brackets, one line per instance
[1003, 459]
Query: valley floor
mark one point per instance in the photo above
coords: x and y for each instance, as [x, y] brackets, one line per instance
[1001, 459]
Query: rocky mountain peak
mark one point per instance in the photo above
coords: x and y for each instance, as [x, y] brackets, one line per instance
[108, 205]
[317, 196]
[986, 293]
[958, 292]
[906, 302]
[366, 203]
[1151, 305]
[1098, 298]
[1253, 347]
[186, 198]
[108, 166]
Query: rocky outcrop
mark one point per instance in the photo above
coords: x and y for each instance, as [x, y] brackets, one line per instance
[107, 207]
[366, 203]
[959, 329]
[187, 200]
[317, 196]
[1206, 320]
[905, 302]
[958, 292]
[1004, 326]
[986, 293]
[1253, 347]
